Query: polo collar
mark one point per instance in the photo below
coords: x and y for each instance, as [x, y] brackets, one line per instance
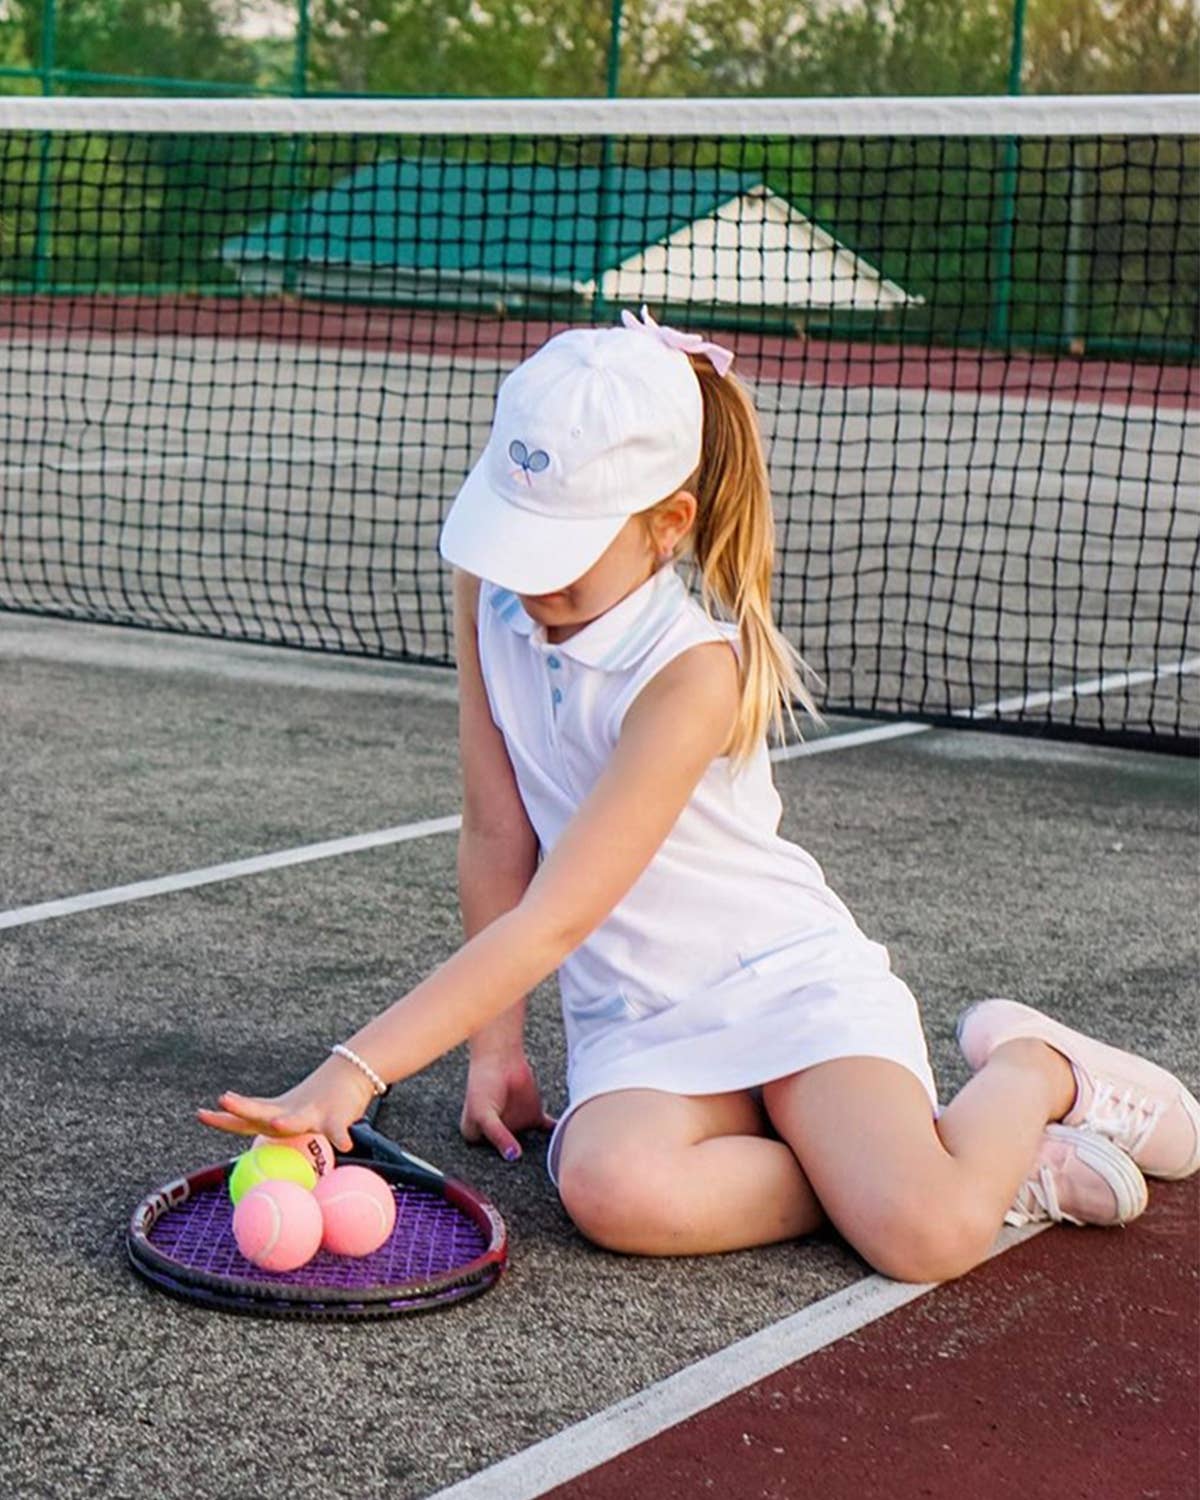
[620, 636]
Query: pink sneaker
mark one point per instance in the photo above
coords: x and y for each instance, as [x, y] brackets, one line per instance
[1138, 1105]
[1079, 1178]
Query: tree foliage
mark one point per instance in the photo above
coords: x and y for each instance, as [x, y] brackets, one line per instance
[1112, 46]
[760, 47]
[548, 48]
[540, 48]
[196, 39]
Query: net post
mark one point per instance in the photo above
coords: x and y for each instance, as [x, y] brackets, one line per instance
[41, 233]
[1072, 336]
[614, 50]
[296, 144]
[1008, 189]
[604, 203]
[1016, 56]
[300, 51]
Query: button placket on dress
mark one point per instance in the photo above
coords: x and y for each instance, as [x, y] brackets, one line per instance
[554, 695]
[551, 664]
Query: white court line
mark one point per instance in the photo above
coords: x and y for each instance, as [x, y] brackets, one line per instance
[609, 1433]
[118, 895]
[849, 740]
[141, 890]
[23, 916]
[1087, 689]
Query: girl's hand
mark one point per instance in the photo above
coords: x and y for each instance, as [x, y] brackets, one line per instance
[502, 1097]
[329, 1100]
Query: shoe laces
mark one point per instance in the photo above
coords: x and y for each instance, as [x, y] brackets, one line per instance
[1126, 1120]
[1037, 1200]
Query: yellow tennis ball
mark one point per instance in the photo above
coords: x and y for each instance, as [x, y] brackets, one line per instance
[312, 1145]
[269, 1164]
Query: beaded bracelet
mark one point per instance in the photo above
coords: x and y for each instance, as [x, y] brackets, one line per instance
[376, 1082]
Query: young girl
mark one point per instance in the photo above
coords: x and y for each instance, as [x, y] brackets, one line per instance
[743, 1062]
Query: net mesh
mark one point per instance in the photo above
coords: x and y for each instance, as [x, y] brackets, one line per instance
[245, 372]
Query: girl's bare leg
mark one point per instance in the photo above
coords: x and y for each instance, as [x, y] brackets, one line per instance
[920, 1199]
[652, 1173]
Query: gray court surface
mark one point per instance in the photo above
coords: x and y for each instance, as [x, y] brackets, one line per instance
[941, 549]
[1061, 875]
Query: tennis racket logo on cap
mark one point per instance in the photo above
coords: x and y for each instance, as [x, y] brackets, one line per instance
[530, 463]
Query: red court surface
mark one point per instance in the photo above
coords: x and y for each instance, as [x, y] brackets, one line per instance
[791, 361]
[1062, 1369]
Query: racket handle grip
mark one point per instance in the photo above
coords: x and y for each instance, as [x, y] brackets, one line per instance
[371, 1146]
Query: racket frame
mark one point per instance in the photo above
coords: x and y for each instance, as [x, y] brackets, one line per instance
[234, 1294]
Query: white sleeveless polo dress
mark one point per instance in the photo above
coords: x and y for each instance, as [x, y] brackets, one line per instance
[730, 962]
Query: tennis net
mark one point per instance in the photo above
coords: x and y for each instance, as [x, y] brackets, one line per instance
[249, 349]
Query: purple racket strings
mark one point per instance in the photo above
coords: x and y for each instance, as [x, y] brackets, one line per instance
[431, 1238]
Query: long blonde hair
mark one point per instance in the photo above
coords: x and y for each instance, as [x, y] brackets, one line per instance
[732, 549]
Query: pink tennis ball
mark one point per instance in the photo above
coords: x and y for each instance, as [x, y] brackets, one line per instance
[359, 1210]
[278, 1225]
[313, 1146]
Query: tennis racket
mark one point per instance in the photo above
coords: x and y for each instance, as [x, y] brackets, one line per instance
[449, 1243]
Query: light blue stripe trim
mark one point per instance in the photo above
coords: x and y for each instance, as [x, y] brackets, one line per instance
[508, 607]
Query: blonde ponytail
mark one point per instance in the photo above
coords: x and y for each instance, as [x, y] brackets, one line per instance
[733, 552]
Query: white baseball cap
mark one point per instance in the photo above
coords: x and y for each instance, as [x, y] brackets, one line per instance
[598, 424]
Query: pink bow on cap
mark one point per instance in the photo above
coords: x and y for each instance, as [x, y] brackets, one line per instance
[674, 338]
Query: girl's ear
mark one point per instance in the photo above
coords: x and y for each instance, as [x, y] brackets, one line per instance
[671, 520]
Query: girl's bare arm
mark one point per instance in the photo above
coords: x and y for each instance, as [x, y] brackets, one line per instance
[498, 847]
[680, 721]
[497, 859]
[671, 734]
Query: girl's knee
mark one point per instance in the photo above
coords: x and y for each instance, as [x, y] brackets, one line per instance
[913, 1241]
[617, 1203]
